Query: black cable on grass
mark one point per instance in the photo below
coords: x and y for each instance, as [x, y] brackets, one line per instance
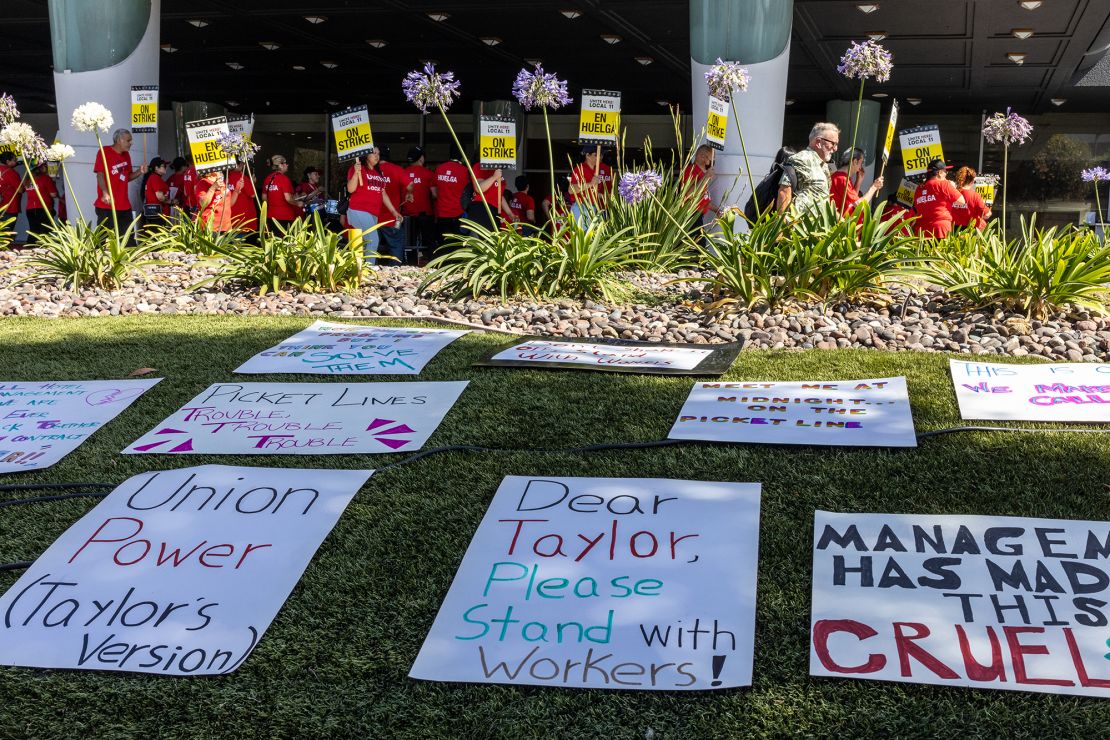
[21, 565]
[937, 432]
[45, 486]
[57, 497]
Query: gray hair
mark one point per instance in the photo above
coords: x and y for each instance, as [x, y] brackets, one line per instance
[119, 133]
[820, 129]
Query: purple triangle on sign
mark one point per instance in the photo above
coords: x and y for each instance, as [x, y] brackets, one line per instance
[186, 446]
[402, 429]
[150, 446]
[393, 443]
[167, 430]
[378, 423]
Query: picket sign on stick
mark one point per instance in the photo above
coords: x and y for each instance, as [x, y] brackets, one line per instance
[888, 142]
[203, 145]
[1067, 392]
[716, 125]
[175, 572]
[351, 129]
[144, 112]
[920, 146]
[599, 121]
[496, 142]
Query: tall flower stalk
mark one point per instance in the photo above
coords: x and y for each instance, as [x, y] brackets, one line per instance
[1096, 175]
[95, 117]
[60, 153]
[722, 79]
[862, 62]
[1006, 129]
[241, 149]
[636, 187]
[543, 90]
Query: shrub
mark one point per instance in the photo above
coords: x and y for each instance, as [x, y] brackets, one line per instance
[79, 255]
[192, 236]
[7, 232]
[586, 262]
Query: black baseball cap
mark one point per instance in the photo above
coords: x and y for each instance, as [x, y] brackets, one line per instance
[415, 153]
[937, 165]
[591, 149]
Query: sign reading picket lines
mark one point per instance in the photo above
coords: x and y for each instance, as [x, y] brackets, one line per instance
[144, 109]
[856, 413]
[987, 602]
[599, 122]
[985, 186]
[906, 190]
[352, 132]
[175, 572]
[242, 125]
[497, 141]
[716, 127]
[303, 419]
[892, 124]
[206, 152]
[40, 423]
[327, 348]
[612, 355]
[920, 146]
[1072, 391]
[604, 583]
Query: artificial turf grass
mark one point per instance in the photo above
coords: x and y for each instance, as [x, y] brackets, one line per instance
[336, 657]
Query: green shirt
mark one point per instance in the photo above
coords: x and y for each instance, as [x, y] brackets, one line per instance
[813, 180]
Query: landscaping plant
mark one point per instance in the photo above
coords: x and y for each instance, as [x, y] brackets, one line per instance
[82, 256]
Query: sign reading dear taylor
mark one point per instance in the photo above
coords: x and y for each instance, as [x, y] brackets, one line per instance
[40, 423]
[176, 573]
[1072, 391]
[605, 583]
[303, 419]
[986, 602]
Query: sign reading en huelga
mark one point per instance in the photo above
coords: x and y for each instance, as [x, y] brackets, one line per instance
[497, 141]
[600, 120]
[920, 146]
[716, 126]
[888, 142]
[242, 125]
[206, 152]
[144, 109]
[352, 132]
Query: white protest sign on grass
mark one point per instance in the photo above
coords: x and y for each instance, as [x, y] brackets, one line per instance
[986, 602]
[1073, 391]
[303, 419]
[40, 423]
[176, 572]
[578, 353]
[327, 348]
[868, 413]
[604, 583]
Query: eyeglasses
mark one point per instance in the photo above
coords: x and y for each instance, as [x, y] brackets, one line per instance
[831, 143]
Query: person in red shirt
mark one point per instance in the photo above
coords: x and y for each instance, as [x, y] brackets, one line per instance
[156, 193]
[696, 179]
[11, 186]
[904, 217]
[309, 191]
[41, 194]
[489, 197]
[397, 187]
[281, 205]
[590, 184]
[552, 213]
[244, 211]
[216, 201]
[117, 160]
[417, 207]
[369, 200]
[183, 185]
[933, 201]
[451, 179]
[844, 185]
[524, 205]
[973, 214]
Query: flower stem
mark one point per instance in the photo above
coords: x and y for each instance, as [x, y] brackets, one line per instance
[1099, 218]
[1005, 173]
[469, 167]
[69, 192]
[852, 151]
[254, 188]
[744, 151]
[551, 158]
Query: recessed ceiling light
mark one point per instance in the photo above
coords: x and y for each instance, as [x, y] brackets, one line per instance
[789, 101]
[490, 40]
[1016, 57]
[198, 22]
[534, 62]
[1021, 33]
[315, 19]
[232, 103]
[432, 62]
[51, 105]
[329, 64]
[880, 95]
[169, 48]
[1058, 101]
[377, 43]
[663, 103]
[1030, 4]
[571, 14]
[913, 101]
[876, 35]
[332, 102]
[298, 67]
[868, 7]
[234, 65]
[269, 45]
[439, 17]
[611, 38]
[645, 61]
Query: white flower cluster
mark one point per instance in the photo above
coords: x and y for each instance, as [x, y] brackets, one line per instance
[59, 152]
[20, 137]
[92, 116]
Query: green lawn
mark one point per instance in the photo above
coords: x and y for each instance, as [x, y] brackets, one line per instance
[336, 658]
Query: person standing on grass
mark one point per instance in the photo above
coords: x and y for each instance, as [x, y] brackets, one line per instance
[934, 200]
[844, 185]
[41, 196]
[974, 212]
[811, 170]
[11, 186]
[119, 173]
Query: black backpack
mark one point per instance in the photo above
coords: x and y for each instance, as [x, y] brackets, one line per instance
[767, 191]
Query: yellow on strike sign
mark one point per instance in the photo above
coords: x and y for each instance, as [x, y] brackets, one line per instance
[716, 127]
[890, 127]
[497, 142]
[920, 146]
[906, 189]
[206, 152]
[600, 120]
[352, 132]
[984, 186]
[144, 109]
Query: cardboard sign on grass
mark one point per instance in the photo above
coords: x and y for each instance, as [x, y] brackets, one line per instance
[303, 419]
[604, 583]
[616, 356]
[327, 348]
[1073, 391]
[176, 572]
[40, 423]
[855, 413]
[987, 602]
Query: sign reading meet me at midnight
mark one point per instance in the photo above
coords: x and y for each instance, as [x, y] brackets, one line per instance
[604, 583]
[1071, 391]
[175, 572]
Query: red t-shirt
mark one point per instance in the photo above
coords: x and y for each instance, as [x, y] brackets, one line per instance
[41, 193]
[155, 184]
[276, 186]
[421, 179]
[189, 185]
[244, 213]
[451, 180]
[842, 192]
[368, 195]
[584, 174]
[492, 193]
[396, 180]
[119, 168]
[933, 200]
[973, 212]
[700, 179]
[900, 212]
[218, 212]
[9, 190]
[521, 203]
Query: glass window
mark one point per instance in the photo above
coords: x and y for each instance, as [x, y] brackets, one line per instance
[88, 35]
[746, 31]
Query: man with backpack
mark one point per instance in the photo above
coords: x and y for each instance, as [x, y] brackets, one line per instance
[766, 192]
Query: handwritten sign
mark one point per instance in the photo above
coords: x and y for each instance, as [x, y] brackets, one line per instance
[891, 126]
[144, 109]
[497, 141]
[987, 602]
[609, 583]
[716, 125]
[206, 151]
[920, 146]
[303, 419]
[40, 423]
[327, 348]
[352, 132]
[599, 122]
[854, 413]
[1073, 391]
[175, 572]
[624, 356]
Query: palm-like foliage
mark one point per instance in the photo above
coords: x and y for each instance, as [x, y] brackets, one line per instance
[79, 256]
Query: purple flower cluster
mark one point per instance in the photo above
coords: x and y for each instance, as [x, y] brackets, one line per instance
[724, 77]
[8, 110]
[539, 90]
[237, 146]
[637, 186]
[1096, 175]
[430, 89]
[866, 60]
[1007, 128]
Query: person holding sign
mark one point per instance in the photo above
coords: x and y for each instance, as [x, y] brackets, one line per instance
[281, 205]
[974, 212]
[933, 201]
[590, 184]
[369, 200]
[244, 213]
[843, 189]
[216, 201]
[489, 199]
[119, 173]
[156, 193]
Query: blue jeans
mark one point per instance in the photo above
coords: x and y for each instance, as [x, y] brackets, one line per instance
[393, 244]
[364, 220]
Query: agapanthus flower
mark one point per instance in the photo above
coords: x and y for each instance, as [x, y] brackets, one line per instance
[1096, 174]
[636, 186]
[8, 110]
[539, 90]
[22, 138]
[1007, 128]
[724, 77]
[237, 146]
[92, 116]
[59, 152]
[989, 179]
[430, 89]
[866, 60]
